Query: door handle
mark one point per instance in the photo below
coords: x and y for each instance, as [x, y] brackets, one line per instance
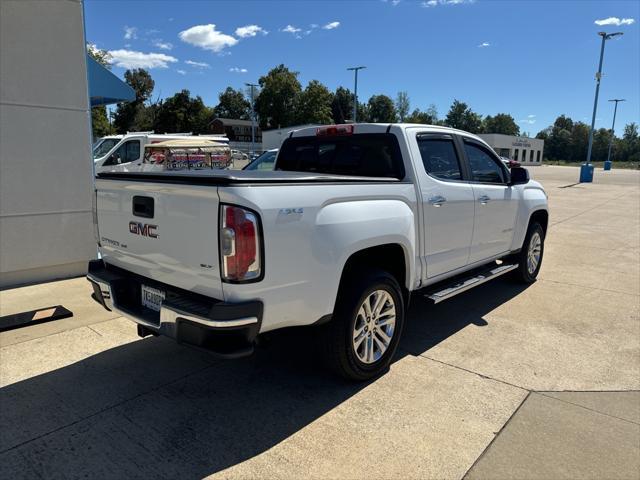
[437, 200]
[484, 199]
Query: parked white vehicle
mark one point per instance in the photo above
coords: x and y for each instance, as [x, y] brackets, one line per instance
[265, 161]
[355, 220]
[124, 153]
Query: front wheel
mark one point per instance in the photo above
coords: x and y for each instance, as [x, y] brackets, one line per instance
[365, 330]
[530, 257]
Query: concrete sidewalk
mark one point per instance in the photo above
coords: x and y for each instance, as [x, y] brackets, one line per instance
[501, 382]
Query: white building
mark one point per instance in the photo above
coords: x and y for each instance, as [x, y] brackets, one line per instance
[527, 151]
[274, 138]
[46, 168]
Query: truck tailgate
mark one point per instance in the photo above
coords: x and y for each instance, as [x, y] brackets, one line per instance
[162, 231]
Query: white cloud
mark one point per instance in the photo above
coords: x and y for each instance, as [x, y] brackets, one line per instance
[290, 29]
[250, 31]
[435, 3]
[530, 120]
[133, 59]
[181, 72]
[314, 25]
[238, 70]
[484, 45]
[197, 64]
[207, 37]
[163, 45]
[331, 26]
[615, 21]
[130, 33]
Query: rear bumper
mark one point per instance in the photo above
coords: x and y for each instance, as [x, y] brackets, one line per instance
[226, 329]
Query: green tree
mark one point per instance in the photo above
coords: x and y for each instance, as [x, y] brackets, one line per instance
[558, 144]
[232, 104]
[462, 117]
[100, 125]
[628, 147]
[313, 105]
[342, 105]
[579, 142]
[502, 123]
[126, 113]
[182, 113]
[402, 105]
[381, 109]
[275, 103]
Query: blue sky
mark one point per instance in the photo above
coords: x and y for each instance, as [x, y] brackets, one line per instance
[533, 59]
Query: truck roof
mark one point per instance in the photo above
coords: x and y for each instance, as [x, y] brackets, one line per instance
[382, 128]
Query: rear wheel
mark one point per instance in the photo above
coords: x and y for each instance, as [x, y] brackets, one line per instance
[364, 333]
[530, 257]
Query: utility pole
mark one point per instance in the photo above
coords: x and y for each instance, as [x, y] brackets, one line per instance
[586, 171]
[355, 92]
[607, 164]
[253, 118]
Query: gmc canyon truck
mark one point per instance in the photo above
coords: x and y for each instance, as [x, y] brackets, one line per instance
[353, 221]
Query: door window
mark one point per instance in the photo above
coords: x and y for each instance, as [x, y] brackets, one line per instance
[127, 152]
[484, 168]
[439, 158]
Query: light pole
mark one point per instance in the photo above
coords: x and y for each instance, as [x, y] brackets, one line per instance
[586, 171]
[607, 164]
[253, 118]
[355, 92]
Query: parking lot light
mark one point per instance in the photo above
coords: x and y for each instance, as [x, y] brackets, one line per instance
[607, 164]
[355, 92]
[253, 117]
[586, 171]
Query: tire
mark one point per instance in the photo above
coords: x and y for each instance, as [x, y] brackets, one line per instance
[349, 354]
[528, 269]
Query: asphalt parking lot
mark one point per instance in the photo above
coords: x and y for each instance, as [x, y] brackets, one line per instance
[500, 382]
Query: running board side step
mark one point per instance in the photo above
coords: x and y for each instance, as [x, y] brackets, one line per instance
[462, 284]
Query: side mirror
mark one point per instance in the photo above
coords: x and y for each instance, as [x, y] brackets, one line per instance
[519, 176]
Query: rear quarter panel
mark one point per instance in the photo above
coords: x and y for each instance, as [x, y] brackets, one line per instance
[309, 232]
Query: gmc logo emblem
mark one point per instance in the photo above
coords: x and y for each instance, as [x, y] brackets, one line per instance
[143, 229]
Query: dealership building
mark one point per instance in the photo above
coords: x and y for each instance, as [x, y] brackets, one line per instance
[48, 85]
[527, 151]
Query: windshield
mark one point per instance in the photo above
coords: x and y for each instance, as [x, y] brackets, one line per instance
[102, 147]
[263, 162]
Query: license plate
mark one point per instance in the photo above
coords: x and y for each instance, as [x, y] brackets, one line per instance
[152, 298]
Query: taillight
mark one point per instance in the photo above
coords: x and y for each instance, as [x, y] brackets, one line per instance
[240, 259]
[334, 131]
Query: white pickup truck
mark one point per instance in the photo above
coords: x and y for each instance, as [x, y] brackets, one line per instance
[353, 221]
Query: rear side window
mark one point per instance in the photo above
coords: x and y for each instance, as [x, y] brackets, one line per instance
[439, 158]
[483, 166]
[366, 155]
